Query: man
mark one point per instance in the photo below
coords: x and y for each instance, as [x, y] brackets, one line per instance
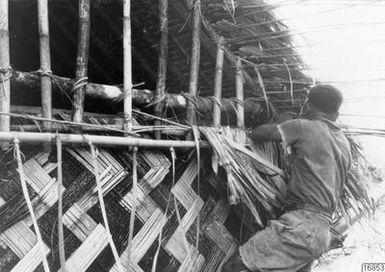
[319, 158]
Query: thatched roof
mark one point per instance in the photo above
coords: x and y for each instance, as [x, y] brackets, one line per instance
[249, 28]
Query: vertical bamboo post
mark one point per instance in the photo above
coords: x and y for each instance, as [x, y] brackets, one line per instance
[60, 204]
[79, 87]
[195, 58]
[127, 69]
[45, 62]
[162, 65]
[5, 99]
[217, 95]
[218, 83]
[239, 94]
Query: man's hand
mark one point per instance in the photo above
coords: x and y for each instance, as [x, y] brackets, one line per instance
[266, 132]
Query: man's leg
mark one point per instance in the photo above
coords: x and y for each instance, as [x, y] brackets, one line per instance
[235, 264]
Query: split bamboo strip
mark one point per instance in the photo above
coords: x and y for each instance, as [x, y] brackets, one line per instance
[19, 238]
[291, 82]
[127, 65]
[178, 245]
[31, 261]
[133, 207]
[162, 63]
[60, 204]
[198, 151]
[195, 59]
[29, 204]
[64, 122]
[85, 255]
[155, 259]
[5, 95]
[95, 127]
[45, 62]
[33, 137]
[103, 207]
[239, 95]
[80, 84]
[144, 239]
[262, 84]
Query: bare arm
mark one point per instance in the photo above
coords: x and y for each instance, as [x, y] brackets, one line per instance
[266, 132]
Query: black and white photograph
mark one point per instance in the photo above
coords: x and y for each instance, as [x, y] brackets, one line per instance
[192, 135]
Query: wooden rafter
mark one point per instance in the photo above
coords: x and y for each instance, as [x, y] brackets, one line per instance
[207, 43]
[99, 43]
[162, 62]
[72, 40]
[209, 39]
[137, 55]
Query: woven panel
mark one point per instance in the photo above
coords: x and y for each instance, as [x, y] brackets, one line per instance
[86, 243]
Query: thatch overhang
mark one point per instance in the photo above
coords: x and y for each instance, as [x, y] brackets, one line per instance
[249, 28]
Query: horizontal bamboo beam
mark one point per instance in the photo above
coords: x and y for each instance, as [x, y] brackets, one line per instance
[141, 97]
[110, 141]
[105, 128]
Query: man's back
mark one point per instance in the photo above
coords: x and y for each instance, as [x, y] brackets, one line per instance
[319, 160]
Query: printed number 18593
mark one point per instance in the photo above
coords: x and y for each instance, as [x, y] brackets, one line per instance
[370, 267]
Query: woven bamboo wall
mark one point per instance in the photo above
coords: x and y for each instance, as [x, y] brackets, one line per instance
[86, 242]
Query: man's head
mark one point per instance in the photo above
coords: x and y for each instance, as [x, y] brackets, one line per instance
[325, 100]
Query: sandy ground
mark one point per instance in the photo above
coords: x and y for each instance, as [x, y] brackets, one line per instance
[363, 245]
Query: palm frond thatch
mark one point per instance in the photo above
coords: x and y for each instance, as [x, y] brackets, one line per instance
[256, 179]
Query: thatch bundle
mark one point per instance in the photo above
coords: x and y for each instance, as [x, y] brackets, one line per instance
[255, 177]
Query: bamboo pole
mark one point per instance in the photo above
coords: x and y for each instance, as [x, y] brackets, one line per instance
[80, 84]
[167, 130]
[141, 97]
[217, 96]
[239, 95]
[127, 68]
[45, 61]
[5, 94]
[162, 63]
[32, 137]
[195, 58]
[230, 57]
[60, 204]
[218, 84]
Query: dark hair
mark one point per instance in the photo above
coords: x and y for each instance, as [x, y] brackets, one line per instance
[326, 98]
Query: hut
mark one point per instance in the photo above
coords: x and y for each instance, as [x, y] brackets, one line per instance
[97, 175]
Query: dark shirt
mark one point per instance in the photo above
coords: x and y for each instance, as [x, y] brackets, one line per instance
[319, 157]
